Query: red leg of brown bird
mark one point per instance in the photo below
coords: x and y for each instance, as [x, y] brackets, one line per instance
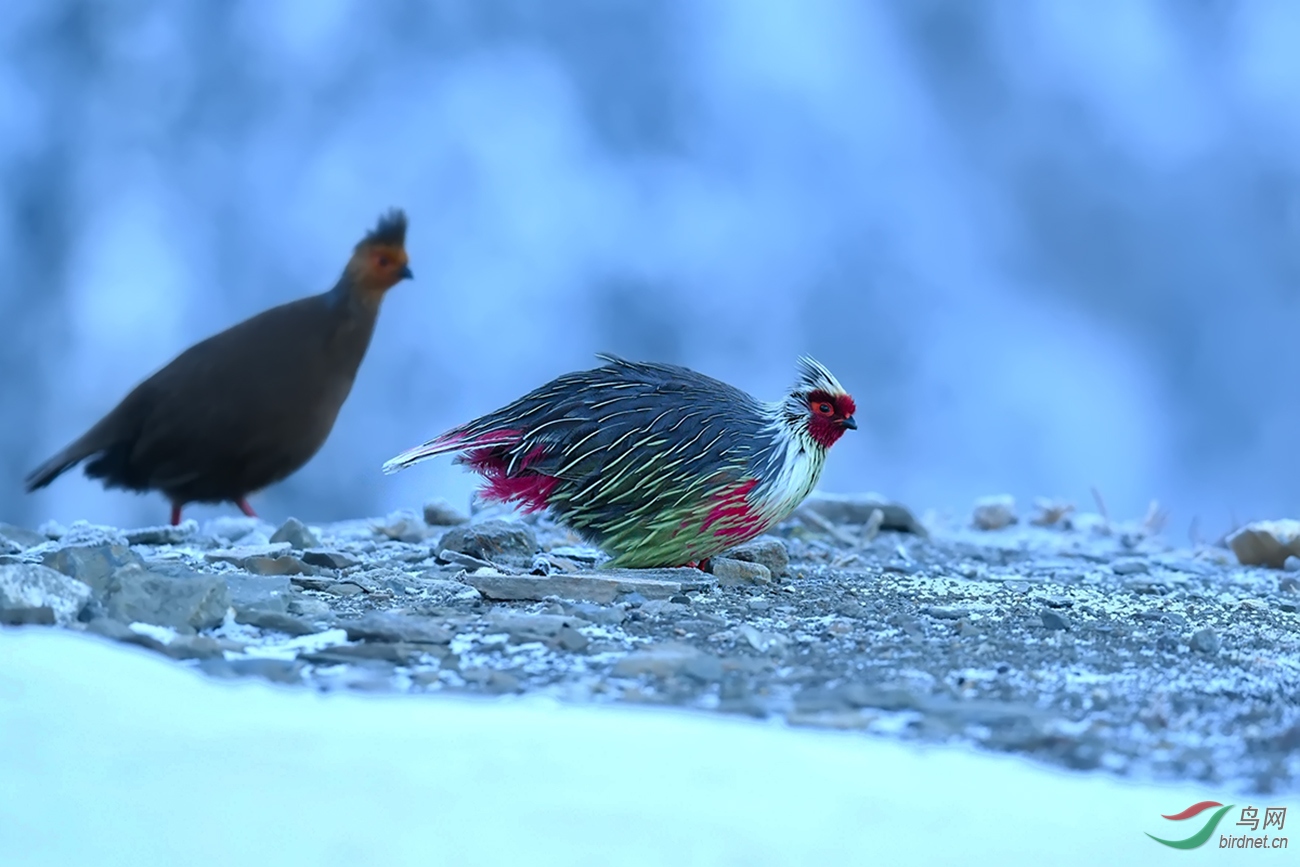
[176, 514]
[247, 509]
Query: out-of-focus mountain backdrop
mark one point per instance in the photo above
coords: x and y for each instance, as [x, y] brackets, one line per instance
[1047, 245]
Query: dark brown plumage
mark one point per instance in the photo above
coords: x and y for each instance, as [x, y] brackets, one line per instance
[248, 407]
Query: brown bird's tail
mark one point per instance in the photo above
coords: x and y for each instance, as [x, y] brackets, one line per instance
[58, 465]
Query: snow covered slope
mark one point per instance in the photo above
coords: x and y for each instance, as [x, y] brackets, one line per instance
[112, 755]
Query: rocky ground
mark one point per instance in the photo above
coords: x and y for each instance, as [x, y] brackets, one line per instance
[1067, 638]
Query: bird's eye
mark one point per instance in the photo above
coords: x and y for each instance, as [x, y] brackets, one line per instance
[824, 408]
[383, 261]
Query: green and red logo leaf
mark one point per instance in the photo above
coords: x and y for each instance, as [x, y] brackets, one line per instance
[1200, 836]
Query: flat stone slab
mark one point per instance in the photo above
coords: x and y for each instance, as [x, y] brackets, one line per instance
[238, 555]
[601, 587]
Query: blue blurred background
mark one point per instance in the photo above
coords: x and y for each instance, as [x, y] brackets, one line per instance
[1047, 245]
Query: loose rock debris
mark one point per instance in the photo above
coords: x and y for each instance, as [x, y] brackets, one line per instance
[1078, 641]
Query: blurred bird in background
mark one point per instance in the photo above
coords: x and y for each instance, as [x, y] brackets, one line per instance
[656, 464]
[248, 407]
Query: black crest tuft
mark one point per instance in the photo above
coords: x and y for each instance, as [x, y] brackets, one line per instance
[390, 231]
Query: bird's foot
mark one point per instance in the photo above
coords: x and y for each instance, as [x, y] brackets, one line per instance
[703, 565]
[246, 509]
[176, 514]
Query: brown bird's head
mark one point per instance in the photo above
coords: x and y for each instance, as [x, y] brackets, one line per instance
[379, 260]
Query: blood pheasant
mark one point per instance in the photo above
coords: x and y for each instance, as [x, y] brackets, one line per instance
[656, 464]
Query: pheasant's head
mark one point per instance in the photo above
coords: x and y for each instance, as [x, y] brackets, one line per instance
[379, 260]
[818, 407]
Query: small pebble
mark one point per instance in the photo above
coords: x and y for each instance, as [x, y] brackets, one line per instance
[1205, 641]
[343, 588]
[403, 526]
[736, 573]
[297, 534]
[440, 513]
[167, 535]
[945, 613]
[1054, 620]
[328, 559]
[571, 639]
[765, 551]
[994, 513]
[1130, 566]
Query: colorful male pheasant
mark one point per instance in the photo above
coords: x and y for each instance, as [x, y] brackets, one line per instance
[656, 464]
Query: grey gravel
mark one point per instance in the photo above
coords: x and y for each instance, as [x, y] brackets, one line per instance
[395, 626]
[738, 573]
[440, 513]
[167, 535]
[660, 660]
[1053, 620]
[297, 534]
[92, 565]
[341, 588]
[858, 509]
[456, 558]
[311, 607]
[278, 621]
[28, 590]
[1205, 641]
[1130, 566]
[270, 559]
[197, 602]
[27, 615]
[20, 537]
[241, 555]
[232, 529]
[493, 541]
[403, 526]
[602, 587]
[327, 558]
[994, 513]
[766, 551]
[260, 592]
[941, 612]
[274, 670]
[1049, 641]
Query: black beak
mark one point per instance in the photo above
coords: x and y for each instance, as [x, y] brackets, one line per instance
[406, 273]
[849, 423]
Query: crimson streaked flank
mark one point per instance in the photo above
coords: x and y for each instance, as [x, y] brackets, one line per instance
[656, 464]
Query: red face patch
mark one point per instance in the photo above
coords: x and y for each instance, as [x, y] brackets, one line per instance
[828, 413]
